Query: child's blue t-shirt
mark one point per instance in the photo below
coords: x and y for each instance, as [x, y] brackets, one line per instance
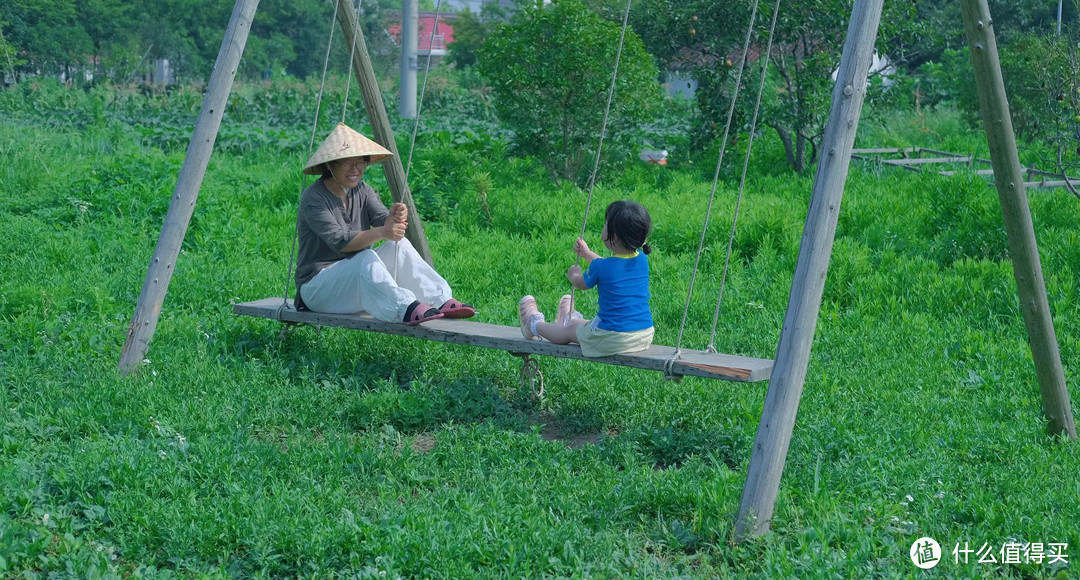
[623, 288]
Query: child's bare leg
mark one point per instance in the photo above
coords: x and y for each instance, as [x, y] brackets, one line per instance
[560, 334]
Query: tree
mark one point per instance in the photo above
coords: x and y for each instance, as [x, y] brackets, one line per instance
[706, 38]
[48, 32]
[8, 58]
[550, 69]
[105, 22]
[469, 34]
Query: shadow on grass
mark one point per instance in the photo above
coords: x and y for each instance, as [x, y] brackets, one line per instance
[417, 407]
[310, 357]
[412, 405]
[665, 448]
[575, 429]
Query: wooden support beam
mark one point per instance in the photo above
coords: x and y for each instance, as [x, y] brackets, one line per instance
[793, 353]
[926, 160]
[1009, 179]
[942, 153]
[966, 172]
[1057, 183]
[162, 264]
[904, 150]
[914, 168]
[1032, 171]
[380, 125]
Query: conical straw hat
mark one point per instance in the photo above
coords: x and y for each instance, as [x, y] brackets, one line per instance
[343, 143]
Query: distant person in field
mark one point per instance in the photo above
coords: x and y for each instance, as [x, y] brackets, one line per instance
[340, 218]
[624, 323]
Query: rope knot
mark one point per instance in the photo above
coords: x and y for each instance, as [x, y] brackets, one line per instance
[669, 367]
[530, 374]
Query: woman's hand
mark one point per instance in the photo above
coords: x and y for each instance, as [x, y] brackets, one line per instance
[394, 230]
[399, 213]
[581, 248]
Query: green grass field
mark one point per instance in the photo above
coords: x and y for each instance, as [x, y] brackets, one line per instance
[238, 453]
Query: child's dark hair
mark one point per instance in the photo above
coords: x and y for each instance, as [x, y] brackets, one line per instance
[630, 223]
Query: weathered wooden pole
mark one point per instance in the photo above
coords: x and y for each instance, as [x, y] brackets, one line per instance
[1009, 179]
[380, 125]
[793, 353]
[188, 183]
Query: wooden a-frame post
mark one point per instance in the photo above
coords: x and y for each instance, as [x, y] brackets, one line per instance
[789, 371]
[162, 264]
[1009, 180]
[793, 353]
[380, 125]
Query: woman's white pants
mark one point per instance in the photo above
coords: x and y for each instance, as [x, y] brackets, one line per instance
[367, 281]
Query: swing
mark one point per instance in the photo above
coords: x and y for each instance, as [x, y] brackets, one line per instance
[673, 361]
[786, 375]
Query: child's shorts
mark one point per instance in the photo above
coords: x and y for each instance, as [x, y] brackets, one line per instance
[596, 342]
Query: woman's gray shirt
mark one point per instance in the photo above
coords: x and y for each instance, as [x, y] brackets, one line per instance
[324, 228]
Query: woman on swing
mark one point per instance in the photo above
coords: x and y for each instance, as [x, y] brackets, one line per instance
[340, 218]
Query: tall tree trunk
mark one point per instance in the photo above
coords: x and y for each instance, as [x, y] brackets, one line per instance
[800, 152]
[785, 138]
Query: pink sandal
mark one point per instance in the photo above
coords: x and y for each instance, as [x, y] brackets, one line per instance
[421, 312]
[566, 313]
[453, 308]
[527, 316]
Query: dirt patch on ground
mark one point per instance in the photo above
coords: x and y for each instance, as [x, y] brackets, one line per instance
[423, 443]
[551, 429]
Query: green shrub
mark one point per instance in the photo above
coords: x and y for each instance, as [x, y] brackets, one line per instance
[1042, 80]
[550, 71]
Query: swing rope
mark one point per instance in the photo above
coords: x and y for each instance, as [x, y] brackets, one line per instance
[742, 180]
[311, 144]
[600, 145]
[716, 179]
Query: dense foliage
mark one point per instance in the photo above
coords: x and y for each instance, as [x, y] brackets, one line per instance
[1042, 80]
[119, 39]
[550, 72]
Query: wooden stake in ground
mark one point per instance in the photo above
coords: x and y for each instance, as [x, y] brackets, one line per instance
[793, 353]
[1009, 180]
[380, 125]
[162, 264]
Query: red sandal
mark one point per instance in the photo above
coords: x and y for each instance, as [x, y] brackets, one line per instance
[421, 312]
[453, 308]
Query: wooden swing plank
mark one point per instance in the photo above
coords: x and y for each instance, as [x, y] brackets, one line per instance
[691, 362]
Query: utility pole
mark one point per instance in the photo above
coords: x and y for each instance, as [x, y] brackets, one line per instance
[409, 32]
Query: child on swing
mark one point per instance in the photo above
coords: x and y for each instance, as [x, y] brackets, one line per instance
[624, 323]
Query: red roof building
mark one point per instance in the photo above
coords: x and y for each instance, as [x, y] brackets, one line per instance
[425, 43]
